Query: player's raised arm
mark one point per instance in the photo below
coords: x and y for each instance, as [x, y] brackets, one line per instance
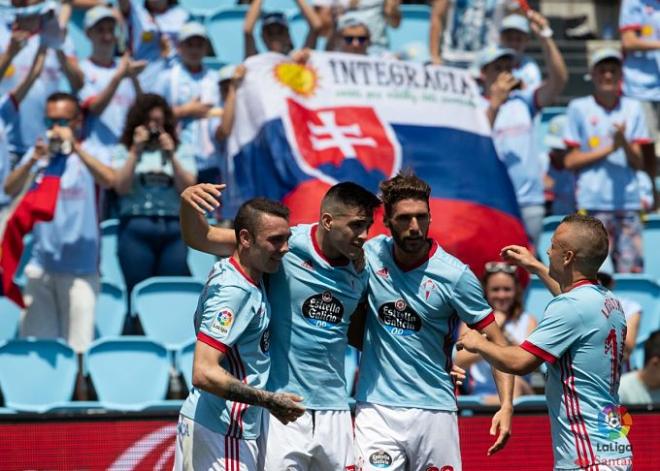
[209, 376]
[519, 255]
[196, 201]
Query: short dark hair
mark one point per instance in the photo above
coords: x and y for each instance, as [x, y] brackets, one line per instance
[138, 115]
[405, 185]
[349, 194]
[249, 213]
[63, 96]
[594, 242]
[652, 347]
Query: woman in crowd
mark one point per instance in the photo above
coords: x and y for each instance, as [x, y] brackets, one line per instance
[504, 293]
[152, 169]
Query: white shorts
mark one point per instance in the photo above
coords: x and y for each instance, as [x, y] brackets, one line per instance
[200, 449]
[401, 438]
[319, 440]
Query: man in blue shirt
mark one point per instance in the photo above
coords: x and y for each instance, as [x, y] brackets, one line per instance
[221, 420]
[62, 275]
[406, 412]
[581, 338]
[511, 113]
[313, 297]
[604, 133]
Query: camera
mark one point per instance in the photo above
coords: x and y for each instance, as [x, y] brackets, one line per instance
[154, 135]
[57, 145]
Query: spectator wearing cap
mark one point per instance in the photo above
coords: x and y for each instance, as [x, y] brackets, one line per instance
[154, 27]
[604, 133]
[275, 28]
[643, 386]
[354, 34]
[111, 84]
[35, 25]
[562, 181]
[191, 89]
[511, 112]
[514, 34]
[376, 16]
[459, 29]
[639, 23]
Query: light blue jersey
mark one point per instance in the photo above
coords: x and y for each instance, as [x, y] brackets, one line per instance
[641, 69]
[528, 71]
[179, 86]
[609, 184]
[581, 337]
[312, 303]
[8, 112]
[232, 316]
[411, 321]
[513, 138]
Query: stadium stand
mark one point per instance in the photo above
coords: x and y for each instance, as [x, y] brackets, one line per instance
[110, 310]
[225, 30]
[651, 239]
[183, 361]
[200, 9]
[537, 298]
[9, 319]
[110, 269]
[200, 263]
[410, 39]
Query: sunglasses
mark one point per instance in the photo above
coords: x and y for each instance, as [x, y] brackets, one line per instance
[496, 267]
[62, 122]
[359, 39]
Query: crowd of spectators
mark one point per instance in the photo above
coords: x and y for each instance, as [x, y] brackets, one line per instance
[143, 117]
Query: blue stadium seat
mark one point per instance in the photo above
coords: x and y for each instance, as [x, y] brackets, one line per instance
[651, 237]
[200, 9]
[200, 263]
[534, 400]
[36, 375]
[541, 125]
[184, 362]
[410, 39]
[468, 400]
[284, 6]
[19, 276]
[109, 264]
[110, 310]
[129, 373]
[225, 29]
[550, 223]
[537, 298]
[646, 291]
[213, 63]
[298, 29]
[165, 307]
[10, 313]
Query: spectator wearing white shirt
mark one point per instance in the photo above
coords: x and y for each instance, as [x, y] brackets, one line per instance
[643, 386]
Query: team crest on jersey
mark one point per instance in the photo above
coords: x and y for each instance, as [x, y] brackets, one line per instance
[223, 322]
[343, 142]
[323, 310]
[380, 459]
[399, 319]
[428, 286]
[384, 272]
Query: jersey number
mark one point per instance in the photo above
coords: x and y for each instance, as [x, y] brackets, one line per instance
[615, 351]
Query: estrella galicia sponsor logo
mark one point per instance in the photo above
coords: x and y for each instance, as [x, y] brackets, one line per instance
[264, 344]
[380, 459]
[323, 310]
[399, 318]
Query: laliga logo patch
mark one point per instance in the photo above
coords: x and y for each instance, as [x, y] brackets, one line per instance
[615, 422]
[300, 79]
[223, 322]
[380, 459]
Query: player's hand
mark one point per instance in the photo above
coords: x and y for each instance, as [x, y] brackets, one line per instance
[286, 407]
[457, 374]
[521, 256]
[502, 422]
[203, 197]
[470, 341]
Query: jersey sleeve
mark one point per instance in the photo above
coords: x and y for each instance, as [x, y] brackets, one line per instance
[469, 302]
[631, 15]
[639, 131]
[224, 317]
[556, 332]
[572, 131]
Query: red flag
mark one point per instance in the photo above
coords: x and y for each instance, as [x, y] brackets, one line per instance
[36, 205]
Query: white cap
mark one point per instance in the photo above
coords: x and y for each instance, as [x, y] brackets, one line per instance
[192, 29]
[554, 138]
[603, 54]
[96, 14]
[517, 22]
[491, 54]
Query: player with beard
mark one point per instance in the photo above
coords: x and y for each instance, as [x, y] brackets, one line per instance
[406, 411]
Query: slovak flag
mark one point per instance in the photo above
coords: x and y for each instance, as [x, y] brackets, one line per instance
[300, 128]
[37, 205]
